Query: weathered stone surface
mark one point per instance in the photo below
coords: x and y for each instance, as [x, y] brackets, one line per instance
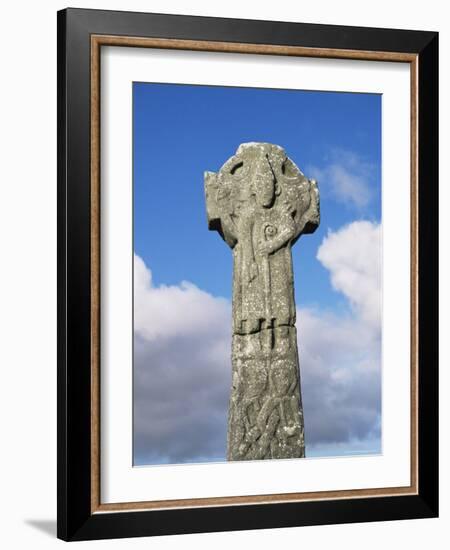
[261, 203]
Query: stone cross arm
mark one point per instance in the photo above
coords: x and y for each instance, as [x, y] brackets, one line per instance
[219, 219]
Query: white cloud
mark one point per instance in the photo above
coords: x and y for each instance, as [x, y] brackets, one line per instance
[340, 370]
[168, 311]
[353, 257]
[182, 371]
[341, 355]
[346, 177]
[183, 360]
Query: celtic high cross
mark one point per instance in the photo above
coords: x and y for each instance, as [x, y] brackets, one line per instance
[260, 203]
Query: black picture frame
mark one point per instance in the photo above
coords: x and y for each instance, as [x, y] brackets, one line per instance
[76, 519]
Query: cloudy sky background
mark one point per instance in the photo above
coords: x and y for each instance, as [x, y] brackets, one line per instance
[182, 272]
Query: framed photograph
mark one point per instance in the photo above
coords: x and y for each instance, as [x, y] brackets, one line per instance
[215, 371]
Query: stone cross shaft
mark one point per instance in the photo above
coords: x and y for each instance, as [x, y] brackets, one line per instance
[260, 203]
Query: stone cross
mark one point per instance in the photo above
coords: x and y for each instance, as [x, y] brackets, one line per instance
[260, 203]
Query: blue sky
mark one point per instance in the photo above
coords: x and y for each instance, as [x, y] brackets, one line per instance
[179, 131]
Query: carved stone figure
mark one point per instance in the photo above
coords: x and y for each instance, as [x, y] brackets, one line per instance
[260, 203]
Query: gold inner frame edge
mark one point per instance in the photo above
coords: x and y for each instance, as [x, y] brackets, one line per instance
[97, 41]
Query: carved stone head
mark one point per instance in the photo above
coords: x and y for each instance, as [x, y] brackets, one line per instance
[260, 174]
